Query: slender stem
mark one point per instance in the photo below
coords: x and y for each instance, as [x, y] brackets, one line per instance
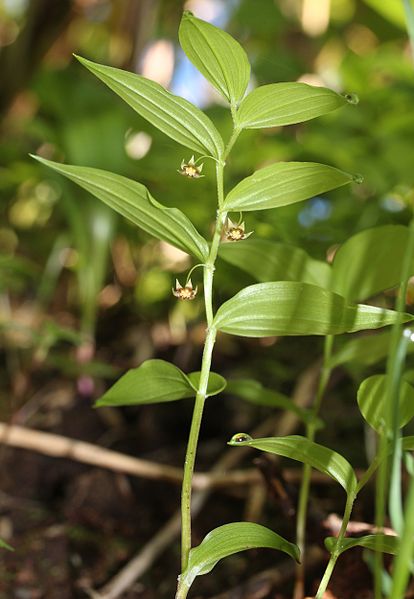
[405, 553]
[307, 470]
[409, 17]
[336, 551]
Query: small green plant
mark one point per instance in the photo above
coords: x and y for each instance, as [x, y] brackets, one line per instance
[295, 295]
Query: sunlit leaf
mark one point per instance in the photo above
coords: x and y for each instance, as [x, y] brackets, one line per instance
[133, 201]
[271, 261]
[371, 401]
[253, 392]
[301, 449]
[153, 382]
[377, 542]
[216, 55]
[370, 262]
[285, 104]
[174, 116]
[229, 539]
[216, 383]
[292, 308]
[284, 183]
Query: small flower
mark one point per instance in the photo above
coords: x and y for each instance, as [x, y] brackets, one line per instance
[185, 293]
[234, 232]
[190, 169]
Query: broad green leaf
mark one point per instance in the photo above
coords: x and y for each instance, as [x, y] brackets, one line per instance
[364, 351]
[377, 542]
[408, 443]
[216, 55]
[292, 308]
[253, 392]
[4, 545]
[371, 401]
[216, 383]
[152, 382]
[134, 202]
[174, 116]
[301, 449]
[284, 183]
[280, 104]
[229, 539]
[370, 262]
[270, 261]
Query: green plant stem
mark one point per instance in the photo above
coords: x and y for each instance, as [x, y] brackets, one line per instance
[307, 470]
[409, 17]
[405, 554]
[389, 441]
[336, 551]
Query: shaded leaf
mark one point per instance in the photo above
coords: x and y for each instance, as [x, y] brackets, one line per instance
[253, 392]
[285, 104]
[271, 261]
[4, 545]
[174, 116]
[133, 201]
[229, 539]
[216, 382]
[301, 449]
[370, 262]
[292, 308]
[371, 401]
[284, 183]
[218, 56]
[377, 542]
[364, 351]
[152, 382]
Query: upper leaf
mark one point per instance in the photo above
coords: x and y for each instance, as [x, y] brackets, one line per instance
[253, 392]
[216, 55]
[377, 542]
[280, 104]
[371, 401]
[229, 539]
[370, 262]
[174, 116]
[133, 200]
[292, 308]
[152, 382]
[284, 183]
[301, 449]
[270, 261]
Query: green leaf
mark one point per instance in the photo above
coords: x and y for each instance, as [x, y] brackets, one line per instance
[370, 262]
[270, 261]
[216, 55]
[152, 382]
[280, 104]
[229, 539]
[292, 308]
[284, 183]
[371, 401]
[216, 383]
[408, 443]
[253, 392]
[364, 351]
[174, 116]
[301, 449]
[133, 201]
[4, 545]
[377, 542]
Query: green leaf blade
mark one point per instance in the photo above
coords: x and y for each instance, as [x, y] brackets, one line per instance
[284, 183]
[216, 382]
[133, 201]
[155, 381]
[4, 545]
[302, 450]
[270, 261]
[279, 104]
[377, 542]
[371, 398]
[218, 56]
[294, 308]
[229, 539]
[174, 116]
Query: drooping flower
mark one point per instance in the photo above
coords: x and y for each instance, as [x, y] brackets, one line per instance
[191, 169]
[235, 232]
[188, 292]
